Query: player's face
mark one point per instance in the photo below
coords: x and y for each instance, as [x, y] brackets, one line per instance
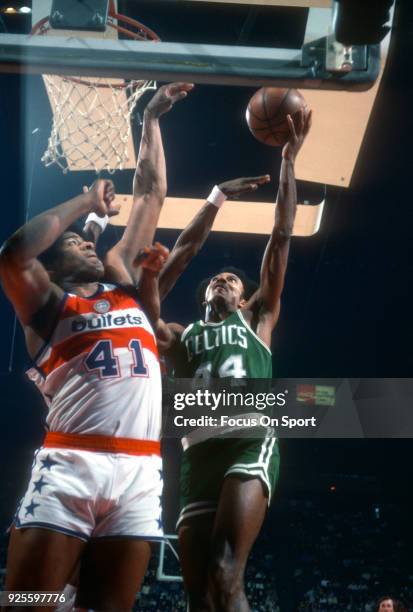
[386, 606]
[225, 287]
[78, 260]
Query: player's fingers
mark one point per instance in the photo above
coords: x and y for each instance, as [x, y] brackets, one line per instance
[151, 259]
[85, 189]
[244, 189]
[179, 96]
[109, 184]
[114, 210]
[261, 180]
[265, 178]
[291, 126]
[153, 263]
[162, 250]
[247, 187]
[154, 251]
[308, 122]
[176, 87]
[141, 257]
[109, 196]
[301, 121]
[147, 263]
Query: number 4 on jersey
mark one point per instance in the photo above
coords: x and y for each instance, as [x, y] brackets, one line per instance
[102, 359]
[232, 367]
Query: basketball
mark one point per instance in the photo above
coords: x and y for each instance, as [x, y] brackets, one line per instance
[267, 114]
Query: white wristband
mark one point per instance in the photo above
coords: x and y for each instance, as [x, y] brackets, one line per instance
[216, 197]
[101, 221]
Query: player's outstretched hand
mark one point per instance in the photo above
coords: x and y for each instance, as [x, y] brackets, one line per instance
[239, 186]
[152, 258]
[165, 98]
[298, 132]
[113, 207]
[102, 194]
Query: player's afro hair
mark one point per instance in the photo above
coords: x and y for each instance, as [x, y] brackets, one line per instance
[249, 285]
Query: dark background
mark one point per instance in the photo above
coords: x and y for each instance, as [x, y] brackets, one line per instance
[347, 302]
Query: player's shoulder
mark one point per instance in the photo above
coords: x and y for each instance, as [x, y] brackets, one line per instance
[176, 328]
[127, 288]
[121, 290]
[192, 327]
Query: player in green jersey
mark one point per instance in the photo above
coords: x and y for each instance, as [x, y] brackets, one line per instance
[226, 483]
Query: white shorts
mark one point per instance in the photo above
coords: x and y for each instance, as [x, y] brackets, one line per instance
[94, 495]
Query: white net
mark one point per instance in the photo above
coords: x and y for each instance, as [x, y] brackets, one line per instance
[91, 121]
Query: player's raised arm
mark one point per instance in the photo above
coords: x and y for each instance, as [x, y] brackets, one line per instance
[275, 258]
[25, 280]
[149, 188]
[195, 234]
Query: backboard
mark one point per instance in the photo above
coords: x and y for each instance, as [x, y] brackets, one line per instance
[231, 42]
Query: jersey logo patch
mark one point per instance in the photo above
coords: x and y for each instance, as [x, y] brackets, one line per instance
[101, 306]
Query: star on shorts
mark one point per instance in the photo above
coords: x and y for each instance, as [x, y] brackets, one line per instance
[31, 508]
[47, 463]
[39, 484]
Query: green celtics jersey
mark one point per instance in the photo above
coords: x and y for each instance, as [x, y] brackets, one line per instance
[229, 349]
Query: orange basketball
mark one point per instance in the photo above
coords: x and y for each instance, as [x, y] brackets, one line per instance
[267, 114]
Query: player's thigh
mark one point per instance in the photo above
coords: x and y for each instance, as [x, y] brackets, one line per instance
[194, 550]
[241, 511]
[111, 573]
[41, 559]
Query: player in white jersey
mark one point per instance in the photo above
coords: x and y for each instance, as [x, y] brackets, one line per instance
[97, 477]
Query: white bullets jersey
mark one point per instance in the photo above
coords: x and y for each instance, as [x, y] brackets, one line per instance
[99, 372]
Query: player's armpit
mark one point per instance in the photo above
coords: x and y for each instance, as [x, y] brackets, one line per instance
[253, 302]
[266, 320]
[116, 271]
[138, 234]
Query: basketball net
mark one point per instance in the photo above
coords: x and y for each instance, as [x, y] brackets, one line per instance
[91, 121]
[91, 125]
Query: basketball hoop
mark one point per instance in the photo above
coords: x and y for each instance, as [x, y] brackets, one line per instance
[91, 116]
